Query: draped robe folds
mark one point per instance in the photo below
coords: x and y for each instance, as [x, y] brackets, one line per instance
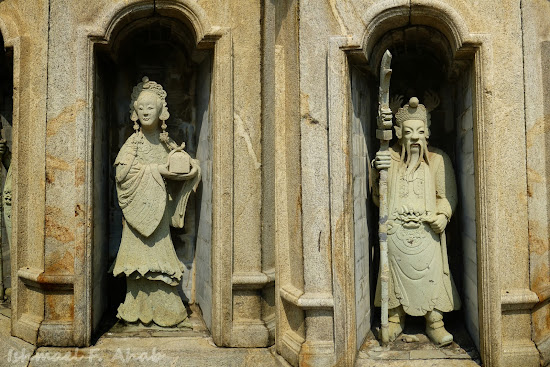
[6, 201]
[146, 255]
[420, 279]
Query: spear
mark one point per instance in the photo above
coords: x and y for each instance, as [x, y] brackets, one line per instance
[384, 134]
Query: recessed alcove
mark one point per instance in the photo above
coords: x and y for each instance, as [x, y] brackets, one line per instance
[6, 123]
[423, 61]
[163, 49]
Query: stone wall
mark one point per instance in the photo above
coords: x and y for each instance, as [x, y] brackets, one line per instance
[107, 216]
[57, 179]
[494, 46]
[466, 213]
[203, 254]
[360, 116]
[536, 44]
[24, 28]
[502, 130]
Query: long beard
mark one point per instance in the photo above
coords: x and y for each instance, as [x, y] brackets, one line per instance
[406, 156]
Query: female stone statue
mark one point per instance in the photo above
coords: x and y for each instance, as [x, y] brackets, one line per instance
[154, 178]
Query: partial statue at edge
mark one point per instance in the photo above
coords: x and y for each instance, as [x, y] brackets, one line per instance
[5, 157]
[154, 178]
[421, 198]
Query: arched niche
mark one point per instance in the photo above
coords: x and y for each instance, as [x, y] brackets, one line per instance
[442, 40]
[423, 61]
[162, 47]
[6, 124]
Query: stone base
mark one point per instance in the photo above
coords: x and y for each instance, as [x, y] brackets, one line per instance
[249, 334]
[417, 363]
[13, 351]
[137, 346]
[543, 347]
[520, 353]
[413, 345]
[317, 354]
[153, 351]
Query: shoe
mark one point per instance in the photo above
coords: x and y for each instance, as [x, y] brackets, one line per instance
[394, 329]
[439, 336]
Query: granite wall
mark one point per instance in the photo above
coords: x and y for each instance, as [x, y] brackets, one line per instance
[361, 115]
[466, 214]
[279, 221]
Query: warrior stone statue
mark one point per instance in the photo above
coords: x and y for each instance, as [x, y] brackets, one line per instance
[154, 178]
[421, 199]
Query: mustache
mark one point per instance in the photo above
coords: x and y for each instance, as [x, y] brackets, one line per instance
[406, 155]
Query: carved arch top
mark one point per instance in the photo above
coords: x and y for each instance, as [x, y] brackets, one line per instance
[386, 16]
[117, 17]
[8, 27]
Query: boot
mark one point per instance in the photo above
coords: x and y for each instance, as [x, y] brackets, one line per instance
[396, 322]
[435, 330]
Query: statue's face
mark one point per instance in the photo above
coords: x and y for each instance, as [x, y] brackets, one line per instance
[148, 109]
[413, 135]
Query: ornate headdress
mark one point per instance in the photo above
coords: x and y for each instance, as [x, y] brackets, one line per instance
[147, 85]
[412, 111]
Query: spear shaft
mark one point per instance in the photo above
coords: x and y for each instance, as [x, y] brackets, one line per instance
[384, 134]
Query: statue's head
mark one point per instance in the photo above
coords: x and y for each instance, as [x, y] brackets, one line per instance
[148, 104]
[412, 129]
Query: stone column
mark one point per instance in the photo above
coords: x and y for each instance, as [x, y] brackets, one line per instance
[536, 58]
[23, 32]
[249, 329]
[317, 300]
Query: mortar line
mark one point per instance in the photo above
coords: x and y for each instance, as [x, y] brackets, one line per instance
[45, 151]
[526, 154]
[525, 135]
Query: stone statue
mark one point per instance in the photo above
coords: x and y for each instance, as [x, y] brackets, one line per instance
[421, 199]
[154, 178]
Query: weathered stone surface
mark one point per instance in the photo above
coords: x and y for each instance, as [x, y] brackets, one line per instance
[139, 346]
[536, 43]
[417, 363]
[161, 351]
[427, 354]
[24, 28]
[13, 351]
[288, 95]
[234, 29]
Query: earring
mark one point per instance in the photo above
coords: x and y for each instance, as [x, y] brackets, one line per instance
[164, 133]
[134, 117]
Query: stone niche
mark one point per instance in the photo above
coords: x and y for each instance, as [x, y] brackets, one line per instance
[6, 123]
[422, 61]
[163, 49]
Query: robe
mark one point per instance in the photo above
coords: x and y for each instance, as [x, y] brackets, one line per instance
[150, 205]
[420, 279]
